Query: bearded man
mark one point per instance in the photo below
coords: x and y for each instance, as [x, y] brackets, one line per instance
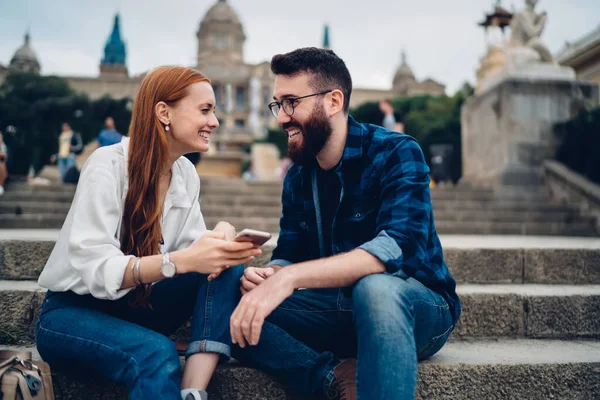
[357, 234]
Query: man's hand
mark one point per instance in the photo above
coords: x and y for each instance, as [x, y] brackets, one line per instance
[248, 317]
[253, 277]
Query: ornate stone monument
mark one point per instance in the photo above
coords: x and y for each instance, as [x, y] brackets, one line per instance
[494, 24]
[507, 126]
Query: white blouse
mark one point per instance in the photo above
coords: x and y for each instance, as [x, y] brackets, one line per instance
[87, 257]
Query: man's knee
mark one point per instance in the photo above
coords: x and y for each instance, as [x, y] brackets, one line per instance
[381, 298]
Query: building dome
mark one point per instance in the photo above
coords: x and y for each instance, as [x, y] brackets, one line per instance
[404, 75]
[404, 71]
[25, 59]
[221, 36]
[221, 12]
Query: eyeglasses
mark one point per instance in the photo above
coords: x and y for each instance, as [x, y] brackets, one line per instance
[288, 103]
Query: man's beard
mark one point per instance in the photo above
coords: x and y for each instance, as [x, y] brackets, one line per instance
[315, 134]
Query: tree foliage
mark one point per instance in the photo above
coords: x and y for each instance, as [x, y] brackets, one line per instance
[430, 120]
[32, 109]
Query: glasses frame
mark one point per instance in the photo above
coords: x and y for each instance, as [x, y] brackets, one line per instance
[291, 101]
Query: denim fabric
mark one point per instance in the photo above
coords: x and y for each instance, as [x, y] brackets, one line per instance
[387, 322]
[64, 164]
[130, 345]
[384, 209]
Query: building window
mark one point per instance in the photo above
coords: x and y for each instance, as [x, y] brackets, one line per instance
[240, 97]
[220, 41]
[240, 123]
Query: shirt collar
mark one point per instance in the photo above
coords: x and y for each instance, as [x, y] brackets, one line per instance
[354, 140]
[177, 195]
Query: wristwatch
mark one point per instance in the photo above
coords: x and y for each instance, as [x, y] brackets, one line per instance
[168, 268]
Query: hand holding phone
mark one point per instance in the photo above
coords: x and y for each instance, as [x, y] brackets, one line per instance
[258, 238]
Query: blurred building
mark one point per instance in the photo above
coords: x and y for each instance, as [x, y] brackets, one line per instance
[241, 89]
[404, 84]
[239, 86]
[583, 55]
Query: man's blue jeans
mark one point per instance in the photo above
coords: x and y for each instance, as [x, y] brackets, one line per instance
[64, 164]
[130, 345]
[387, 322]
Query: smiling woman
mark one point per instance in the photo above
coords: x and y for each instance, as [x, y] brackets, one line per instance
[135, 223]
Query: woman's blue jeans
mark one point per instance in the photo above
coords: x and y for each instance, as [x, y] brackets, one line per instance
[130, 346]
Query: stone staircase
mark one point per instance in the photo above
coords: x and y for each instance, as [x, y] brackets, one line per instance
[530, 327]
[258, 206]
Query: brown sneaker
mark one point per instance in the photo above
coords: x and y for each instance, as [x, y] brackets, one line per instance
[344, 385]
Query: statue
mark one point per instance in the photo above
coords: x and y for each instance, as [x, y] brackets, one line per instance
[526, 28]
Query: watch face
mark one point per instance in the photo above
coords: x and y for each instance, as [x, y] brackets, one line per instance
[168, 269]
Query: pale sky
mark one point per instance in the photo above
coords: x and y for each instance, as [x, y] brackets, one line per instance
[441, 37]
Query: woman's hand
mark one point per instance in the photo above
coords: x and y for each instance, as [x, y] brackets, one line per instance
[212, 254]
[227, 228]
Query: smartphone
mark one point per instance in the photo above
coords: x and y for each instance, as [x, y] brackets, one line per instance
[250, 235]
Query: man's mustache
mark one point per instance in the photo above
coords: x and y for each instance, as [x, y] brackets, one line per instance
[292, 124]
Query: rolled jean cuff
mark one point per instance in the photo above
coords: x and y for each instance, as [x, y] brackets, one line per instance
[329, 381]
[209, 346]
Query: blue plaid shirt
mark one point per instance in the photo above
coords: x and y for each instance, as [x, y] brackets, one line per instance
[385, 209]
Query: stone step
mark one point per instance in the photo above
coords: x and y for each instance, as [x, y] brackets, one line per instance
[577, 227]
[257, 189]
[63, 194]
[24, 260]
[32, 221]
[35, 207]
[23, 195]
[507, 311]
[272, 208]
[462, 370]
[225, 182]
[501, 206]
[586, 228]
[27, 188]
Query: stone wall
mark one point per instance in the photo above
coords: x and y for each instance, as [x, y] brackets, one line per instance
[507, 131]
[116, 87]
[360, 96]
[569, 187]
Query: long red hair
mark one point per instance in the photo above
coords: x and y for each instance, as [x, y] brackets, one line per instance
[148, 155]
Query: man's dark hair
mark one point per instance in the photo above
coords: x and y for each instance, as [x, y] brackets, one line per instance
[328, 70]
